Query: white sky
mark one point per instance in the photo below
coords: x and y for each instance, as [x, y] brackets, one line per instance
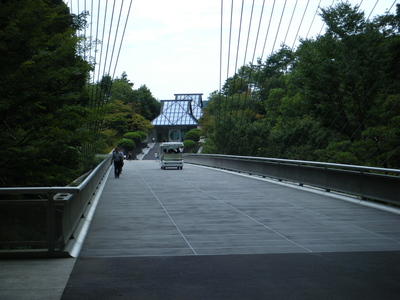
[173, 46]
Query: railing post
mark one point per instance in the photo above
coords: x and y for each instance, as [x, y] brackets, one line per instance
[362, 185]
[50, 223]
[327, 189]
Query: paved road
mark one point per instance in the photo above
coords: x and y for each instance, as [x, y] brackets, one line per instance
[200, 233]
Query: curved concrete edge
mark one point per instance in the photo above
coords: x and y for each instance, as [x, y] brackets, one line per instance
[74, 246]
[314, 190]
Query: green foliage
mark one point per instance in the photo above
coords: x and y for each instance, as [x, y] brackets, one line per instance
[126, 144]
[42, 83]
[193, 134]
[129, 110]
[273, 103]
[149, 106]
[141, 100]
[51, 117]
[343, 20]
[189, 144]
[142, 134]
[122, 118]
[23, 223]
[334, 98]
[134, 136]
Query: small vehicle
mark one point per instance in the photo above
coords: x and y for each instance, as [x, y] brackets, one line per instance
[171, 155]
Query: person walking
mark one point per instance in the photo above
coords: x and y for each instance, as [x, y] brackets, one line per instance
[118, 159]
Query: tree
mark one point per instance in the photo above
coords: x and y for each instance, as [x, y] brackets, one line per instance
[122, 90]
[344, 74]
[122, 118]
[193, 134]
[126, 144]
[189, 144]
[273, 103]
[42, 80]
[134, 136]
[149, 106]
[141, 99]
[336, 98]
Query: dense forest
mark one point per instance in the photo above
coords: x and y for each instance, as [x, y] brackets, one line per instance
[54, 118]
[335, 98]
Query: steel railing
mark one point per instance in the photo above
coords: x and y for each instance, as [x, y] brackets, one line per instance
[365, 182]
[64, 207]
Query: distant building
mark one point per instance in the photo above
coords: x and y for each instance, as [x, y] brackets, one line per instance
[177, 117]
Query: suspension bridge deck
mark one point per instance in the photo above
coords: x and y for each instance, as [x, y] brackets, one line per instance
[202, 233]
[202, 211]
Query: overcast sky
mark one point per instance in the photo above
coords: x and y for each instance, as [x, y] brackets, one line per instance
[173, 46]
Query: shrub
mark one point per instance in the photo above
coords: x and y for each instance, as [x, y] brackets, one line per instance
[126, 144]
[134, 136]
[189, 144]
[142, 134]
[193, 134]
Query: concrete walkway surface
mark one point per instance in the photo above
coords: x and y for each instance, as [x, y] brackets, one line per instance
[34, 279]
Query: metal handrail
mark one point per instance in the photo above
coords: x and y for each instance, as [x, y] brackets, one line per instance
[305, 162]
[72, 201]
[366, 182]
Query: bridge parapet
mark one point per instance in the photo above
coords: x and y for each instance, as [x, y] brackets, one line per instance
[62, 211]
[365, 182]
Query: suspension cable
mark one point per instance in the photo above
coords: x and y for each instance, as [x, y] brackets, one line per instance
[301, 22]
[290, 22]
